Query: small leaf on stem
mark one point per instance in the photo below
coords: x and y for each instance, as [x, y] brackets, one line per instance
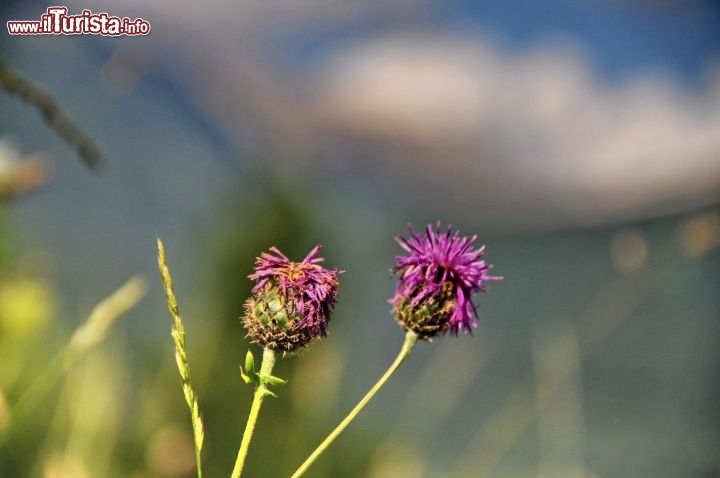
[270, 380]
[250, 362]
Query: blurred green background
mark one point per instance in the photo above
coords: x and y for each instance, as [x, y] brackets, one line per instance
[579, 140]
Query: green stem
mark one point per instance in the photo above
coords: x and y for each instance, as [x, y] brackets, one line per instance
[89, 334]
[261, 391]
[410, 340]
[198, 460]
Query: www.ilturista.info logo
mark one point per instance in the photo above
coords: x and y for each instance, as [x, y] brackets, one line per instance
[57, 22]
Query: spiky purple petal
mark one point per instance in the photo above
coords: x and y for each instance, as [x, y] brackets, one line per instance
[434, 260]
[310, 291]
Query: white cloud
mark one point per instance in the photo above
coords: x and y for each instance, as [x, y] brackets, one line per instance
[541, 121]
[533, 136]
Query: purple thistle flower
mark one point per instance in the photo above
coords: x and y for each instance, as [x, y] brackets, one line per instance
[291, 302]
[438, 278]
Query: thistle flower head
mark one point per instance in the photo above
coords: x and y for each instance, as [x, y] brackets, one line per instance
[438, 278]
[291, 302]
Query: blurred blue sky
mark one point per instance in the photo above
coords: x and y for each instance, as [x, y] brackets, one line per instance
[621, 37]
[178, 160]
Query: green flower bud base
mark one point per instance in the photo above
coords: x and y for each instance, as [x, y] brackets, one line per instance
[271, 324]
[431, 316]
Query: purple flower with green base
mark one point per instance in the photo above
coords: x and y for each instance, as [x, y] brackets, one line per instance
[438, 277]
[291, 302]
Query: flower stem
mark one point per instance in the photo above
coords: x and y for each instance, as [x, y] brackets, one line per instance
[261, 391]
[410, 340]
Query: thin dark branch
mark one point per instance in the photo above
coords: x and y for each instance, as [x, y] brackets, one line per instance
[54, 116]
